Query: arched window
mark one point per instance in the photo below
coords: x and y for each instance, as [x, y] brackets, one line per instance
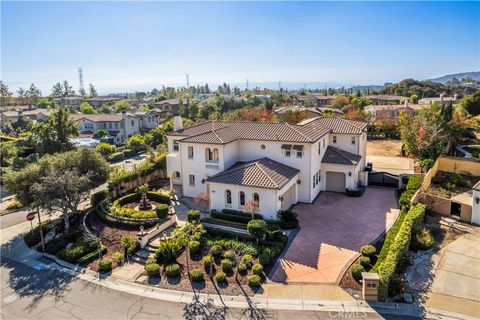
[256, 198]
[242, 198]
[228, 197]
[208, 154]
[215, 155]
[211, 155]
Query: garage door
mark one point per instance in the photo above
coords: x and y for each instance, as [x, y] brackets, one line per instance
[335, 182]
[287, 199]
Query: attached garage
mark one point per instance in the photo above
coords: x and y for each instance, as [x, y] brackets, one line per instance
[335, 181]
[288, 198]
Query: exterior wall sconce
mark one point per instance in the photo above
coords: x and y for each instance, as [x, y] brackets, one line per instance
[203, 181]
[299, 181]
[477, 200]
[280, 198]
[350, 174]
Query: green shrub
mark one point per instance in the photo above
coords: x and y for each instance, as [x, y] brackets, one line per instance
[220, 277]
[242, 268]
[153, 269]
[241, 213]
[398, 249]
[364, 261]
[196, 275]
[159, 197]
[120, 257]
[257, 269]
[98, 197]
[226, 223]
[356, 271]
[81, 248]
[92, 255]
[264, 259]
[247, 260]
[216, 250]
[422, 240]
[230, 217]
[226, 264]
[150, 260]
[254, 281]
[288, 218]
[116, 156]
[257, 228]
[162, 210]
[54, 246]
[230, 255]
[105, 265]
[414, 183]
[368, 251]
[193, 216]
[207, 262]
[168, 250]
[194, 246]
[33, 237]
[172, 270]
[130, 244]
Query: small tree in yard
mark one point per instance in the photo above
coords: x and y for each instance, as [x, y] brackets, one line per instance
[252, 207]
[257, 229]
[204, 199]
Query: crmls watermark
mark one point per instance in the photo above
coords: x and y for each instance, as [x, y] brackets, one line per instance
[347, 314]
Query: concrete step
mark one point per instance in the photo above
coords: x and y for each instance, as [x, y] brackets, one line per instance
[141, 256]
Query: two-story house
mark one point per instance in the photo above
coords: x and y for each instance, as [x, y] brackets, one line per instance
[274, 164]
[119, 126]
[148, 119]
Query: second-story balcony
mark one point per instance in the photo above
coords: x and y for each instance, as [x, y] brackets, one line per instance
[212, 165]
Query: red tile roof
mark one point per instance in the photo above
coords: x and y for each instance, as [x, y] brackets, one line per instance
[339, 156]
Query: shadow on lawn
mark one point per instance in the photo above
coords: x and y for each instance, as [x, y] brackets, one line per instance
[36, 283]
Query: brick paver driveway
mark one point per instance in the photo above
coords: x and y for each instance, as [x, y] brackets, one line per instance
[333, 229]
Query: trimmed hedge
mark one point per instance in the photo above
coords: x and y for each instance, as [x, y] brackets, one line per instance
[230, 217]
[162, 211]
[129, 224]
[134, 214]
[172, 270]
[105, 265]
[80, 249]
[221, 277]
[197, 275]
[257, 269]
[193, 216]
[221, 222]
[207, 262]
[194, 246]
[364, 261]
[241, 213]
[92, 255]
[226, 264]
[356, 271]
[398, 249]
[254, 281]
[115, 157]
[153, 269]
[230, 255]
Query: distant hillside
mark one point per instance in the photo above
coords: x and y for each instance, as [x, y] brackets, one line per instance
[444, 79]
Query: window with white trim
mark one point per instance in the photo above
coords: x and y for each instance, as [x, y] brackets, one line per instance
[334, 138]
[191, 179]
[256, 198]
[353, 140]
[313, 181]
[241, 197]
[228, 197]
[190, 152]
[175, 145]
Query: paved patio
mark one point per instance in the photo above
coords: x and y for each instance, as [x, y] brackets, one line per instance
[333, 229]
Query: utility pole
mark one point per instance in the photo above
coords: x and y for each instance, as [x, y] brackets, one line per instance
[80, 78]
[188, 80]
[247, 84]
[279, 85]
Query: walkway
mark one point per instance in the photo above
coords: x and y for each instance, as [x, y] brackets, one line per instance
[333, 229]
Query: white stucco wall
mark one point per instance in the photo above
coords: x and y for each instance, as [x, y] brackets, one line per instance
[344, 142]
[351, 180]
[476, 208]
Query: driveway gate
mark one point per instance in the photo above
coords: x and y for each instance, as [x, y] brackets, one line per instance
[382, 179]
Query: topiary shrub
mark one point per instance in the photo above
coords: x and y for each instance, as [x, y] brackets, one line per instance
[207, 262]
[193, 216]
[194, 246]
[196, 275]
[422, 240]
[153, 269]
[230, 255]
[247, 260]
[172, 270]
[105, 265]
[257, 229]
[242, 268]
[254, 281]
[257, 269]
[162, 211]
[356, 271]
[364, 261]
[264, 259]
[130, 244]
[226, 264]
[150, 260]
[220, 277]
[216, 250]
[368, 251]
[119, 257]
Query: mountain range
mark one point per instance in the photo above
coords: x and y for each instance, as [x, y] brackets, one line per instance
[443, 79]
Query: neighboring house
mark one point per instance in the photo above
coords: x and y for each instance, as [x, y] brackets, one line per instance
[389, 113]
[276, 164]
[309, 112]
[97, 102]
[442, 99]
[73, 102]
[315, 100]
[321, 101]
[385, 99]
[119, 126]
[37, 115]
[172, 106]
[148, 119]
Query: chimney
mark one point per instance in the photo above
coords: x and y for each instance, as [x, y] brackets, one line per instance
[177, 123]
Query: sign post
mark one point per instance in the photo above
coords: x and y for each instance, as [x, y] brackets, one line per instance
[30, 216]
[41, 230]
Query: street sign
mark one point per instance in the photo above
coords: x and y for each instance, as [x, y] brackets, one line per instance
[31, 216]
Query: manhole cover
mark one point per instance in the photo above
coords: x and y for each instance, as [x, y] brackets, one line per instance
[10, 298]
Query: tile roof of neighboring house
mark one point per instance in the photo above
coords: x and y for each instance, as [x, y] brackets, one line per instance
[436, 99]
[322, 97]
[379, 107]
[10, 113]
[221, 132]
[103, 99]
[97, 117]
[35, 112]
[283, 110]
[337, 125]
[339, 156]
[260, 173]
[169, 101]
[384, 97]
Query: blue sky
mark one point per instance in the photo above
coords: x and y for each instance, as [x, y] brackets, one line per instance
[133, 46]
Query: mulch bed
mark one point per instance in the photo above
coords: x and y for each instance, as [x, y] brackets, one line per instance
[231, 287]
[111, 238]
